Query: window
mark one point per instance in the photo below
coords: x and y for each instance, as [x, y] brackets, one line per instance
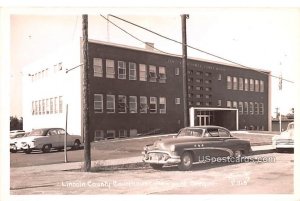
[207, 89]
[251, 109]
[208, 96]
[199, 95]
[234, 104]
[32, 107]
[219, 102]
[241, 107]
[262, 86]
[251, 85]
[207, 74]
[56, 105]
[99, 135]
[98, 71]
[199, 73]
[153, 104]
[228, 104]
[110, 134]
[152, 73]
[219, 77]
[241, 84]
[110, 103]
[261, 109]
[177, 101]
[229, 82]
[143, 72]
[122, 133]
[246, 84]
[245, 107]
[223, 133]
[256, 108]
[235, 84]
[35, 107]
[60, 99]
[98, 102]
[189, 72]
[51, 105]
[122, 108]
[47, 106]
[143, 104]
[177, 72]
[132, 71]
[110, 69]
[162, 105]
[132, 104]
[208, 81]
[190, 79]
[162, 74]
[190, 95]
[256, 85]
[121, 70]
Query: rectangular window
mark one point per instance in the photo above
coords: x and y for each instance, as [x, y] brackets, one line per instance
[262, 86]
[251, 85]
[60, 104]
[162, 74]
[122, 133]
[251, 108]
[110, 134]
[152, 73]
[153, 104]
[256, 108]
[32, 107]
[256, 85]
[177, 101]
[110, 69]
[47, 106]
[121, 70]
[35, 107]
[234, 104]
[110, 104]
[132, 71]
[235, 84]
[98, 70]
[43, 106]
[162, 105]
[207, 89]
[246, 85]
[219, 102]
[132, 104]
[143, 104]
[99, 135]
[122, 108]
[229, 82]
[51, 105]
[245, 107]
[261, 108]
[98, 103]
[241, 84]
[241, 107]
[219, 76]
[143, 72]
[56, 105]
[228, 104]
[177, 71]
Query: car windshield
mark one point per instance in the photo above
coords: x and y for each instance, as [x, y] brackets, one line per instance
[290, 126]
[37, 132]
[196, 132]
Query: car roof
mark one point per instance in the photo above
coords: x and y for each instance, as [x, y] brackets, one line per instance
[206, 127]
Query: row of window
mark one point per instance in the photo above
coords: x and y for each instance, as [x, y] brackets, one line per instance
[47, 106]
[111, 134]
[129, 104]
[151, 72]
[247, 107]
[198, 88]
[45, 72]
[245, 84]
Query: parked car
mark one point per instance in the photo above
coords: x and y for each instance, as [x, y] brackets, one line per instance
[16, 134]
[285, 140]
[17, 140]
[192, 144]
[45, 139]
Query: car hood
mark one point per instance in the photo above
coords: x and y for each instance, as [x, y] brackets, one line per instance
[30, 138]
[285, 135]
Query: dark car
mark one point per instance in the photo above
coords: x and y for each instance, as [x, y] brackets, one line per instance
[192, 145]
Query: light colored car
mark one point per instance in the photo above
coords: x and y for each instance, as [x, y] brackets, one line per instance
[16, 134]
[45, 139]
[285, 140]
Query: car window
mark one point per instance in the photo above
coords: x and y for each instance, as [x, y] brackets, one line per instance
[290, 126]
[191, 132]
[36, 132]
[224, 133]
[52, 132]
[61, 131]
[213, 132]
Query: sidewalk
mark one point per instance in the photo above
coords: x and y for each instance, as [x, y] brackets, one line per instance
[107, 163]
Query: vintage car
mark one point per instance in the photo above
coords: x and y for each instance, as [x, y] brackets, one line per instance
[193, 144]
[285, 140]
[45, 139]
[16, 134]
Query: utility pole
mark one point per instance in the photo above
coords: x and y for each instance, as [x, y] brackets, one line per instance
[85, 95]
[184, 69]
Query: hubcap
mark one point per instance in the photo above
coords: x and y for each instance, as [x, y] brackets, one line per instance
[186, 160]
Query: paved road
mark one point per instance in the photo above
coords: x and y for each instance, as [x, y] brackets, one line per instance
[218, 178]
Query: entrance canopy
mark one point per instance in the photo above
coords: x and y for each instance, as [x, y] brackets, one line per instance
[225, 117]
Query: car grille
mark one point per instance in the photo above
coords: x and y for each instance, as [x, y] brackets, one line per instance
[285, 141]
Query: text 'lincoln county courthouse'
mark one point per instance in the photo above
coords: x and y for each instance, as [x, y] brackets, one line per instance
[137, 91]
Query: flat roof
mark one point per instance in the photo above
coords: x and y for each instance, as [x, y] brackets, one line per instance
[161, 53]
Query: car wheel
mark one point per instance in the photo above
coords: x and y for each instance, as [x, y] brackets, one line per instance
[13, 151]
[46, 148]
[156, 166]
[27, 151]
[186, 161]
[76, 145]
[238, 153]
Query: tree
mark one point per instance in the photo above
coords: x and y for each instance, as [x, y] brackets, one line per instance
[15, 123]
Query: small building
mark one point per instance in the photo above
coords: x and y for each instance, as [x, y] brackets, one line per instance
[140, 91]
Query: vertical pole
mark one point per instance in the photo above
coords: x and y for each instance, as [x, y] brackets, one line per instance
[66, 132]
[184, 70]
[280, 91]
[87, 147]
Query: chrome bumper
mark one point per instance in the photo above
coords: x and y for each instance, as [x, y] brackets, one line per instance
[164, 158]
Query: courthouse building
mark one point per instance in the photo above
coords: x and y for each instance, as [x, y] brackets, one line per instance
[140, 91]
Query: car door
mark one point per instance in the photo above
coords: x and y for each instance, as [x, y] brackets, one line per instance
[61, 137]
[52, 138]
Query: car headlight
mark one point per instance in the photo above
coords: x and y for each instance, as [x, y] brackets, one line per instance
[172, 148]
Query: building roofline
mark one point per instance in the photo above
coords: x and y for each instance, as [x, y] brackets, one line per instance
[160, 53]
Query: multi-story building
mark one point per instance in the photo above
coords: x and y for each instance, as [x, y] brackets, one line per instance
[134, 90]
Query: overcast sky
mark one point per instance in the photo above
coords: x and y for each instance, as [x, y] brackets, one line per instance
[256, 37]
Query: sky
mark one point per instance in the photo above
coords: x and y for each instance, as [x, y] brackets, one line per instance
[264, 38]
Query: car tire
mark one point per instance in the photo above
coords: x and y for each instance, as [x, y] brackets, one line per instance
[27, 151]
[76, 145]
[186, 161]
[238, 153]
[47, 148]
[156, 166]
[13, 151]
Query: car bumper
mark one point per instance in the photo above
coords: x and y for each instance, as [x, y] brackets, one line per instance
[163, 158]
[284, 146]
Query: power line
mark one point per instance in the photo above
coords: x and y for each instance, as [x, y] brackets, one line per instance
[219, 57]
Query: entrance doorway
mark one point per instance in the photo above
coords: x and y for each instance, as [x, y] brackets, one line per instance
[204, 120]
